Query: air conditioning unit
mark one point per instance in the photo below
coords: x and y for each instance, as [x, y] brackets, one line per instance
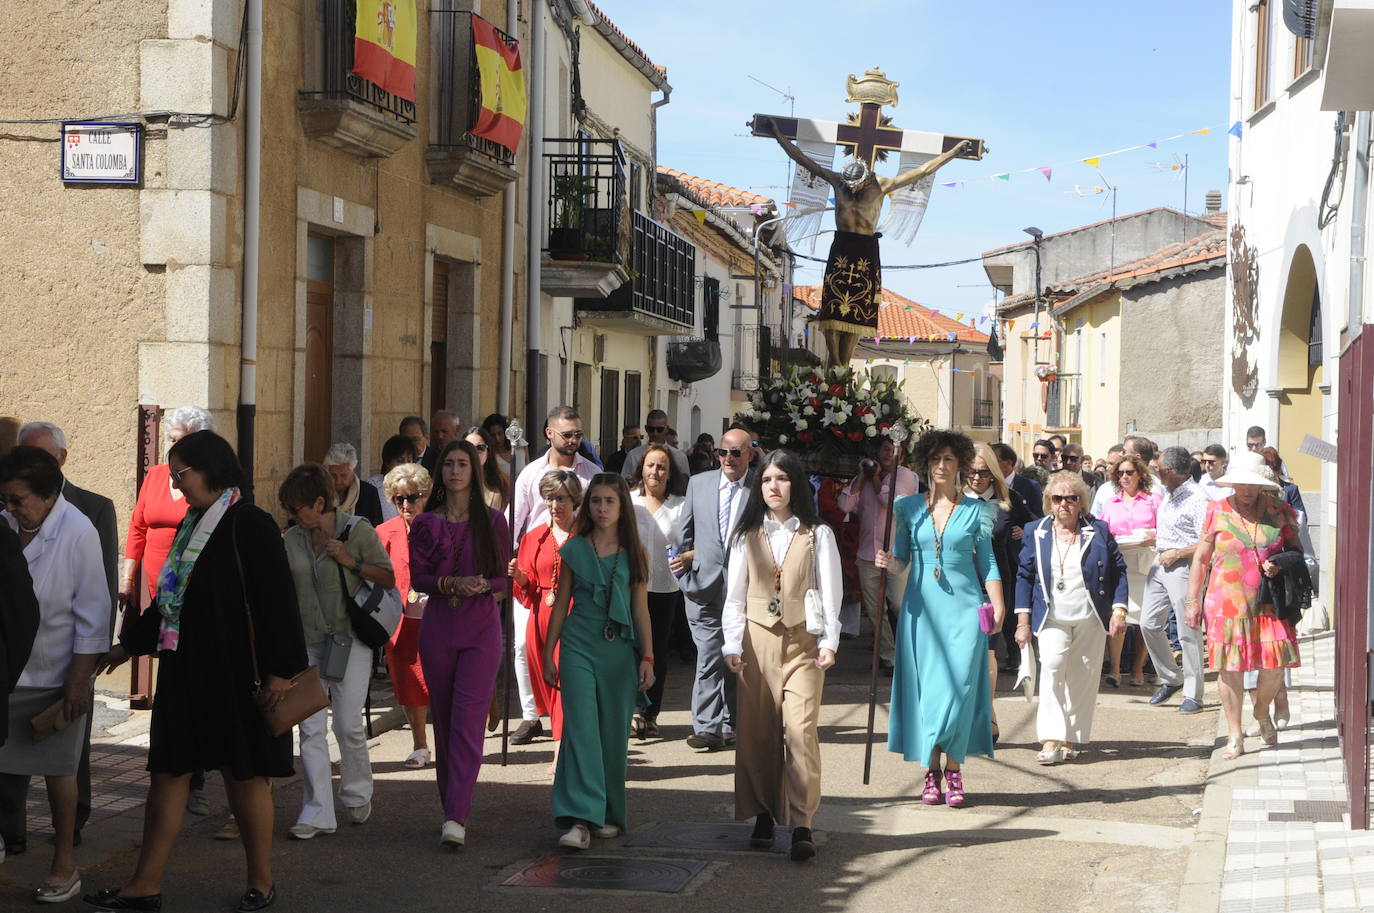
[598, 348]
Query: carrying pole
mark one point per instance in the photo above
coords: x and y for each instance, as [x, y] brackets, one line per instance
[880, 615]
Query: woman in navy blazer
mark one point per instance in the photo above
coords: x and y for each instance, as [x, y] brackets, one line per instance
[1071, 591]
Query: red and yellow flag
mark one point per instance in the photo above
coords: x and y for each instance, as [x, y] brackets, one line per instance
[502, 115]
[384, 45]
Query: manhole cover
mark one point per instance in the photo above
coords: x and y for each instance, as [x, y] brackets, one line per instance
[1316, 811]
[607, 873]
[705, 835]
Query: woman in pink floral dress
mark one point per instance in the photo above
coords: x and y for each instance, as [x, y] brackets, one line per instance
[1240, 536]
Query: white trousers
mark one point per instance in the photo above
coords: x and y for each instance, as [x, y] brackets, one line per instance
[355, 767]
[1070, 669]
[528, 709]
[1165, 590]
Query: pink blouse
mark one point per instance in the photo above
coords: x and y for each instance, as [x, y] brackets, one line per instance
[1124, 515]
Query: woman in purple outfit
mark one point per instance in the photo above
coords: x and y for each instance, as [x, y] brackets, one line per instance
[459, 549]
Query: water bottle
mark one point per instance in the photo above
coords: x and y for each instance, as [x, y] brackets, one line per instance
[672, 553]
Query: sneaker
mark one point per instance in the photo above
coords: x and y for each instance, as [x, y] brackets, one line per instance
[607, 832]
[1164, 693]
[230, 831]
[577, 838]
[358, 814]
[196, 803]
[303, 831]
[1190, 706]
[527, 731]
[453, 834]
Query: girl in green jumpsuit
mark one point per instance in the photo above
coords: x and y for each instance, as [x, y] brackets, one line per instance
[603, 663]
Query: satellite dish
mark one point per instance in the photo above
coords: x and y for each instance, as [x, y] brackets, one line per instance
[1300, 16]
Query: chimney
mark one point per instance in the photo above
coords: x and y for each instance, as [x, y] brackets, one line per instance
[1214, 201]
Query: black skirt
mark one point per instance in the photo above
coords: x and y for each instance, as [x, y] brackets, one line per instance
[853, 285]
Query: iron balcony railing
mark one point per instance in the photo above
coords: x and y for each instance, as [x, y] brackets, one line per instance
[588, 212]
[337, 79]
[1062, 403]
[662, 267]
[982, 413]
[457, 86]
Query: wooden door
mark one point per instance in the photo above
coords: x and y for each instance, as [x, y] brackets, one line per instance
[438, 346]
[610, 411]
[319, 362]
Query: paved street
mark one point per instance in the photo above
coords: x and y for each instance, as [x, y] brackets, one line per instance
[1113, 830]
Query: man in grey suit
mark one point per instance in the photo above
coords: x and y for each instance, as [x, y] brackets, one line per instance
[100, 511]
[714, 502]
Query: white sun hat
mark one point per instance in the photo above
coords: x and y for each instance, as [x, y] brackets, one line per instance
[1246, 469]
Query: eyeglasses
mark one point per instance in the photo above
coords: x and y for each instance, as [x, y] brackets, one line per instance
[980, 473]
[177, 473]
[404, 499]
[721, 452]
[654, 429]
[1063, 499]
[568, 435]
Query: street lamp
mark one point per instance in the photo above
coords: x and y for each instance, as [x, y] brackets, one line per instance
[1038, 236]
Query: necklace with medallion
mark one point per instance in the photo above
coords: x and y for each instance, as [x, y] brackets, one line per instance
[1062, 556]
[1252, 533]
[552, 595]
[609, 631]
[775, 603]
[937, 530]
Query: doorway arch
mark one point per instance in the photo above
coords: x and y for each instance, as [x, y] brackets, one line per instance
[1298, 374]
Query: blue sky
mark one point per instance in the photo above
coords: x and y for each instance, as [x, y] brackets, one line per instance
[1046, 83]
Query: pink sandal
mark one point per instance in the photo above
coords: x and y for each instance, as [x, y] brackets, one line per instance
[931, 795]
[954, 797]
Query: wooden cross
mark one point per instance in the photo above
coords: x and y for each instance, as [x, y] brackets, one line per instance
[866, 138]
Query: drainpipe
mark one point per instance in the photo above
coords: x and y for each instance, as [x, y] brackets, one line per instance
[503, 356]
[534, 218]
[252, 194]
[1358, 204]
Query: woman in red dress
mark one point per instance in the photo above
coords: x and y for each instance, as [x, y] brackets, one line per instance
[535, 570]
[407, 486]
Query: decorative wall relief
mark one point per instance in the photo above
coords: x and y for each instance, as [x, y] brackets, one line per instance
[1244, 316]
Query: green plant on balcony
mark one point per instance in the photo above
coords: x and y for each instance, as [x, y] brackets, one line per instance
[568, 233]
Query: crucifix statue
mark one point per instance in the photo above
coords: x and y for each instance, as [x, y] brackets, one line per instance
[852, 288]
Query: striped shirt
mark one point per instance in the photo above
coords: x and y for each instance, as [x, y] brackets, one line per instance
[1181, 515]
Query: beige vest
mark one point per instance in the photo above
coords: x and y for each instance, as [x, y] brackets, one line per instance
[798, 569]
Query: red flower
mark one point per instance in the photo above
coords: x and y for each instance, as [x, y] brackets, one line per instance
[836, 389]
[813, 402]
[856, 436]
[837, 431]
[862, 410]
[804, 436]
[813, 378]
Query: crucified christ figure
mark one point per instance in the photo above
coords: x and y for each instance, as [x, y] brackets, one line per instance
[853, 283]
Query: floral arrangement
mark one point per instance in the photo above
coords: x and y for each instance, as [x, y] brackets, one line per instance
[831, 412]
[1046, 373]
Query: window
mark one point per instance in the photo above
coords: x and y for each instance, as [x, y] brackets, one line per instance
[636, 185]
[1304, 55]
[710, 319]
[1264, 40]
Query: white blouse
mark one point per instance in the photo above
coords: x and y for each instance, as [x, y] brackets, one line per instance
[1073, 603]
[68, 574]
[659, 530]
[829, 580]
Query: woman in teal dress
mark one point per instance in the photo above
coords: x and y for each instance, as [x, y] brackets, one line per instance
[604, 661]
[941, 700]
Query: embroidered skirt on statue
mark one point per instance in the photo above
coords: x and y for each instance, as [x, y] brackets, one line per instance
[853, 285]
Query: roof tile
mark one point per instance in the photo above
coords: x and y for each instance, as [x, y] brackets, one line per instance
[903, 318]
[714, 193]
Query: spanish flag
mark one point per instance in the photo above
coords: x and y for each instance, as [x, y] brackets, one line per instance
[502, 115]
[384, 45]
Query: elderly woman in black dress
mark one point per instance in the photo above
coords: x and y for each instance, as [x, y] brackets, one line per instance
[205, 714]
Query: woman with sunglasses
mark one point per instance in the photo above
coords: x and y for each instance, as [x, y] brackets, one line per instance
[941, 702]
[1130, 513]
[459, 549]
[534, 572]
[494, 480]
[406, 486]
[1071, 592]
[603, 660]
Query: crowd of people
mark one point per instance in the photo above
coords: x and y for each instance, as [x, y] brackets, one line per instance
[1183, 561]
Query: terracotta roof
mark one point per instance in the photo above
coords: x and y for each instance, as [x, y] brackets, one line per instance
[1059, 234]
[609, 26]
[1198, 252]
[903, 318]
[1214, 218]
[714, 193]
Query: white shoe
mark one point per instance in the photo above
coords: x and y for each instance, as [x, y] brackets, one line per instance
[418, 759]
[359, 814]
[453, 834]
[577, 838]
[196, 803]
[607, 832]
[303, 831]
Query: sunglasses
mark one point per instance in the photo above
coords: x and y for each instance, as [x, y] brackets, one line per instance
[1125, 472]
[404, 499]
[1041, 456]
[655, 428]
[1063, 499]
[1254, 445]
[980, 473]
[721, 452]
[1070, 458]
[568, 435]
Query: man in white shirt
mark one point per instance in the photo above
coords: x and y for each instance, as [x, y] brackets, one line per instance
[563, 429]
[1215, 459]
[656, 427]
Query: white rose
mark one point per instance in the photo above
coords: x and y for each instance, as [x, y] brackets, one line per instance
[801, 424]
[809, 410]
[869, 419]
[870, 431]
[782, 439]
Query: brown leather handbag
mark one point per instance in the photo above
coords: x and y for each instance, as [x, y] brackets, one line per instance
[306, 695]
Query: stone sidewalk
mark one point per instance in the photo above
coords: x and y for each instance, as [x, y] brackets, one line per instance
[1275, 834]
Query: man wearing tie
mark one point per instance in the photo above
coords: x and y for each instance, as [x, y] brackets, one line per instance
[714, 502]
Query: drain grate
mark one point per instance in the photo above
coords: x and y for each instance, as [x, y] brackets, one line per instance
[1317, 811]
[713, 836]
[607, 873]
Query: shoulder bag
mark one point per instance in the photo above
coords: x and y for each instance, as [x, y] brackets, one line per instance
[374, 612]
[304, 697]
